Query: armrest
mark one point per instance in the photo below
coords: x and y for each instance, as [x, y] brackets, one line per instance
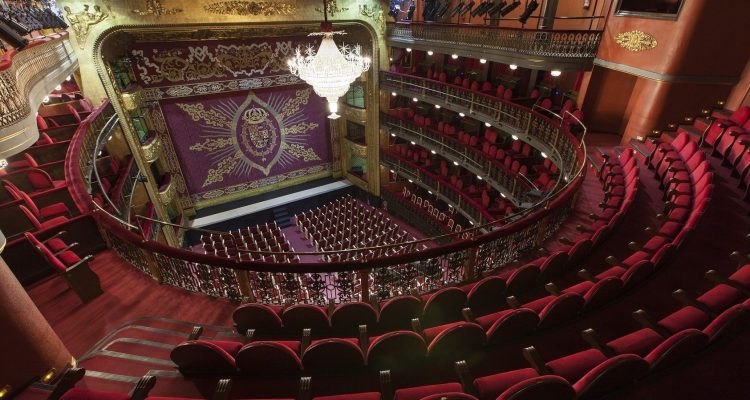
[364, 339]
[465, 377]
[195, 333]
[687, 300]
[611, 260]
[552, 289]
[80, 262]
[223, 389]
[565, 241]
[642, 317]
[304, 388]
[306, 339]
[581, 228]
[592, 338]
[66, 248]
[534, 359]
[249, 335]
[740, 258]
[468, 315]
[416, 326]
[66, 382]
[654, 232]
[386, 387]
[637, 247]
[56, 235]
[142, 387]
[719, 279]
[513, 302]
[586, 275]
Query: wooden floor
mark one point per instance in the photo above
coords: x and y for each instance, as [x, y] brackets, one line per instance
[128, 294]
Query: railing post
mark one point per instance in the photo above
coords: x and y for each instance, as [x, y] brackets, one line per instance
[244, 283]
[364, 283]
[471, 261]
[153, 266]
[541, 230]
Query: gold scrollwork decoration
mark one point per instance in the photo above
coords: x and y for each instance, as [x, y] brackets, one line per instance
[167, 194]
[375, 13]
[356, 149]
[332, 8]
[83, 20]
[244, 7]
[151, 149]
[636, 40]
[155, 8]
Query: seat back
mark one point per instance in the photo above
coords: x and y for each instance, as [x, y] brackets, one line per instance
[39, 179]
[544, 387]
[561, 308]
[602, 292]
[485, 296]
[301, 316]
[732, 318]
[522, 279]
[31, 217]
[553, 266]
[456, 342]
[676, 348]
[332, 355]
[347, 317]
[267, 358]
[396, 350]
[512, 325]
[262, 318]
[445, 305]
[199, 357]
[609, 375]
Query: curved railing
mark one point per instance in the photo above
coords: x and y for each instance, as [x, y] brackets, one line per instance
[26, 76]
[372, 275]
[574, 44]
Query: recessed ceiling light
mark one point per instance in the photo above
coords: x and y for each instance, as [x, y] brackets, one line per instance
[3, 163]
[461, 115]
[411, 181]
[58, 87]
[393, 134]
[555, 73]
[502, 194]
[454, 56]
[544, 154]
[479, 177]
[455, 162]
[412, 143]
[487, 124]
[68, 78]
[415, 99]
[46, 99]
[433, 151]
[437, 105]
[394, 94]
[408, 49]
[393, 172]
[482, 61]
[514, 137]
[513, 66]
[429, 52]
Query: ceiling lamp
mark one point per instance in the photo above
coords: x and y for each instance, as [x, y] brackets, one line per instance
[330, 70]
[513, 67]
[555, 73]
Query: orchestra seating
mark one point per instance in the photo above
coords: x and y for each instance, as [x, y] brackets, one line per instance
[248, 243]
[349, 224]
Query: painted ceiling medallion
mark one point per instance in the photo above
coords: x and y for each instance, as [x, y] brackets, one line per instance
[244, 7]
[155, 8]
[636, 40]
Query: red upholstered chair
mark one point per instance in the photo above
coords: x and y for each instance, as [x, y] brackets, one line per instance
[47, 212]
[546, 103]
[65, 390]
[206, 357]
[553, 310]
[264, 319]
[500, 91]
[442, 306]
[534, 94]
[347, 317]
[41, 224]
[597, 294]
[442, 77]
[269, 358]
[73, 112]
[398, 350]
[306, 316]
[522, 279]
[508, 94]
[486, 87]
[485, 295]
[540, 388]
[729, 321]
[41, 180]
[421, 392]
[397, 312]
[44, 139]
[508, 325]
[453, 341]
[676, 348]
[492, 386]
[553, 265]
[332, 356]
[718, 127]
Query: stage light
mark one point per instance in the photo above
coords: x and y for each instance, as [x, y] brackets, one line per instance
[530, 8]
[408, 49]
[555, 73]
[482, 61]
[487, 124]
[510, 7]
[429, 52]
[513, 67]
[514, 137]
[454, 56]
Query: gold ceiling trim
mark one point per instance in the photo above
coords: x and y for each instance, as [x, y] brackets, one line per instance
[332, 8]
[156, 9]
[636, 40]
[243, 7]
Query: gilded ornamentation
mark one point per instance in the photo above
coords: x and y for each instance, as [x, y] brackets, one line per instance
[82, 21]
[254, 135]
[155, 8]
[332, 8]
[243, 7]
[195, 89]
[636, 40]
[375, 13]
[151, 149]
[357, 149]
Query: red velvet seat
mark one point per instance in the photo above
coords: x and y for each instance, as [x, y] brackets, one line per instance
[486, 295]
[305, 316]
[611, 374]
[396, 350]
[492, 386]
[508, 325]
[347, 317]
[89, 394]
[332, 356]
[40, 180]
[263, 319]
[730, 320]
[676, 349]
[268, 358]
[553, 266]
[39, 225]
[205, 357]
[46, 212]
[444, 305]
[544, 387]
[397, 312]
[455, 341]
[640, 342]
[522, 279]
[560, 309]
[686, 317]
[420, 392]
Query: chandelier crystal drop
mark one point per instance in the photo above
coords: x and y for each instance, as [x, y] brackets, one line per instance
[330, 70]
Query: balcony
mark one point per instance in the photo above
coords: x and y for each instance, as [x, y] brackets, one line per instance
[571, 50]
[26, 77]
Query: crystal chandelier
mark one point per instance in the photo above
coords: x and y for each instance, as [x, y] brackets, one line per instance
[329, 70]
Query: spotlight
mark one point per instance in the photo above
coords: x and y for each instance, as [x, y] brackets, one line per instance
[487, 124]
[513, 67]
[455, 163]
[408, 49]
[429, 52]
[512, 6]
[514, 137]
[415, 99]
[454, 56]
[530, 8]
[555, 73]
[461, 115]
[437, 106]
[394, 94]
[482, 61]
[544, 155]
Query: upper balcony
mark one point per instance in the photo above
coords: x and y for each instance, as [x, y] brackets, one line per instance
[26, 77]
[545, 49]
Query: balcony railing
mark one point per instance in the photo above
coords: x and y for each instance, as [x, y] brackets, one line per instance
[27, 76]
[372, 275]
[558, 44]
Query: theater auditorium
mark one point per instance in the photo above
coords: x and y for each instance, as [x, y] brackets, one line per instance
[374, 199]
